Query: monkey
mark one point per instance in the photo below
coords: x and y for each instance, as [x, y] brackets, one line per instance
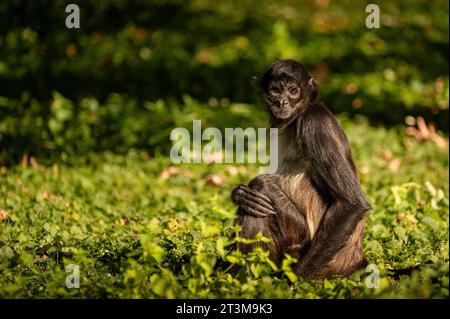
[312, 207]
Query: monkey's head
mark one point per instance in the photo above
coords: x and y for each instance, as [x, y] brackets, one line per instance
[287, 88]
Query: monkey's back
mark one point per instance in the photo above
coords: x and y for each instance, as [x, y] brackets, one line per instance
[293, 180]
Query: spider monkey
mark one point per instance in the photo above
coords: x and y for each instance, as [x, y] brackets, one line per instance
[313, 207]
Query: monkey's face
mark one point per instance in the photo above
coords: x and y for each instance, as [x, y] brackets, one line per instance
[283, 98]
[287, 89]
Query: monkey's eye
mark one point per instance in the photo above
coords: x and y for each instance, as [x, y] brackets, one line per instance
[294, 91]
[274, 90]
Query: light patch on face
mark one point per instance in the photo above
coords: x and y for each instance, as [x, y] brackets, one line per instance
[283, 98]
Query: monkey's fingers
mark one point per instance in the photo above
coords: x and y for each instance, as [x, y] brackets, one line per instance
[234, 194]
[252, 212]
[248, 199]
[252, 201]
[256, 209]
[255, 196]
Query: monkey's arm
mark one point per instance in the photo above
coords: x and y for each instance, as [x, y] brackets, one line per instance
[265, 190]
[262, 197]
[334, 175]
[252, 201]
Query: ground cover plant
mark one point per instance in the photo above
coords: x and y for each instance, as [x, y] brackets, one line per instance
[140, 226]
[85, 122]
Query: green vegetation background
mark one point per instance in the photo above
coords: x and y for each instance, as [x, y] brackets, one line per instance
[85, 119]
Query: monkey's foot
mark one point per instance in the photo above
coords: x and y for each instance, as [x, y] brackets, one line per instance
[253, 202]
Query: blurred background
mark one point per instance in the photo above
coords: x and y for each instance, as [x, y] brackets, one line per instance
[85, 122]
[136, 69]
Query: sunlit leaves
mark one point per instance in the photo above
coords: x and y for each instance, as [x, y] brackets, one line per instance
[135, 235]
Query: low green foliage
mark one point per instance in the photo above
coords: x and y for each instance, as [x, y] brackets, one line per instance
[96, 188]
[139, 227]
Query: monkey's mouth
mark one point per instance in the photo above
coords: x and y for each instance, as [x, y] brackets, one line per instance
[281, 114]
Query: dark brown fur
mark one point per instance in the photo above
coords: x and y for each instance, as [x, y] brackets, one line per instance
[312, 208]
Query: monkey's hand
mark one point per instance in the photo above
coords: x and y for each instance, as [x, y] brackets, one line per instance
[253, 202]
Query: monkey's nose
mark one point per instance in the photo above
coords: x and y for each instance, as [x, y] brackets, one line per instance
[283, 103]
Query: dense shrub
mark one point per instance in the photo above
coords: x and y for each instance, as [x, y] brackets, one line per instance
[86, 90]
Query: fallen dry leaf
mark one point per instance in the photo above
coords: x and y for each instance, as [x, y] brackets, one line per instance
[387, 155]
[425, 132]
[168, 172]
[242, 169]
[322, 3]
[407, 144]
[213, 157]
[146, 156]
[232, 170]
[46, 195]
[34, 163]
[215, 180]
[3, 214]
[394, 165]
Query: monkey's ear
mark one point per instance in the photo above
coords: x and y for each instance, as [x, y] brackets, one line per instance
[313, 82]
[314, 89]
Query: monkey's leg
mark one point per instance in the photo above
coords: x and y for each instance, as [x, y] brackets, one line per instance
[337, 226]
[251, 226]
[290, 228]
[350, 258]
[287, 229]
